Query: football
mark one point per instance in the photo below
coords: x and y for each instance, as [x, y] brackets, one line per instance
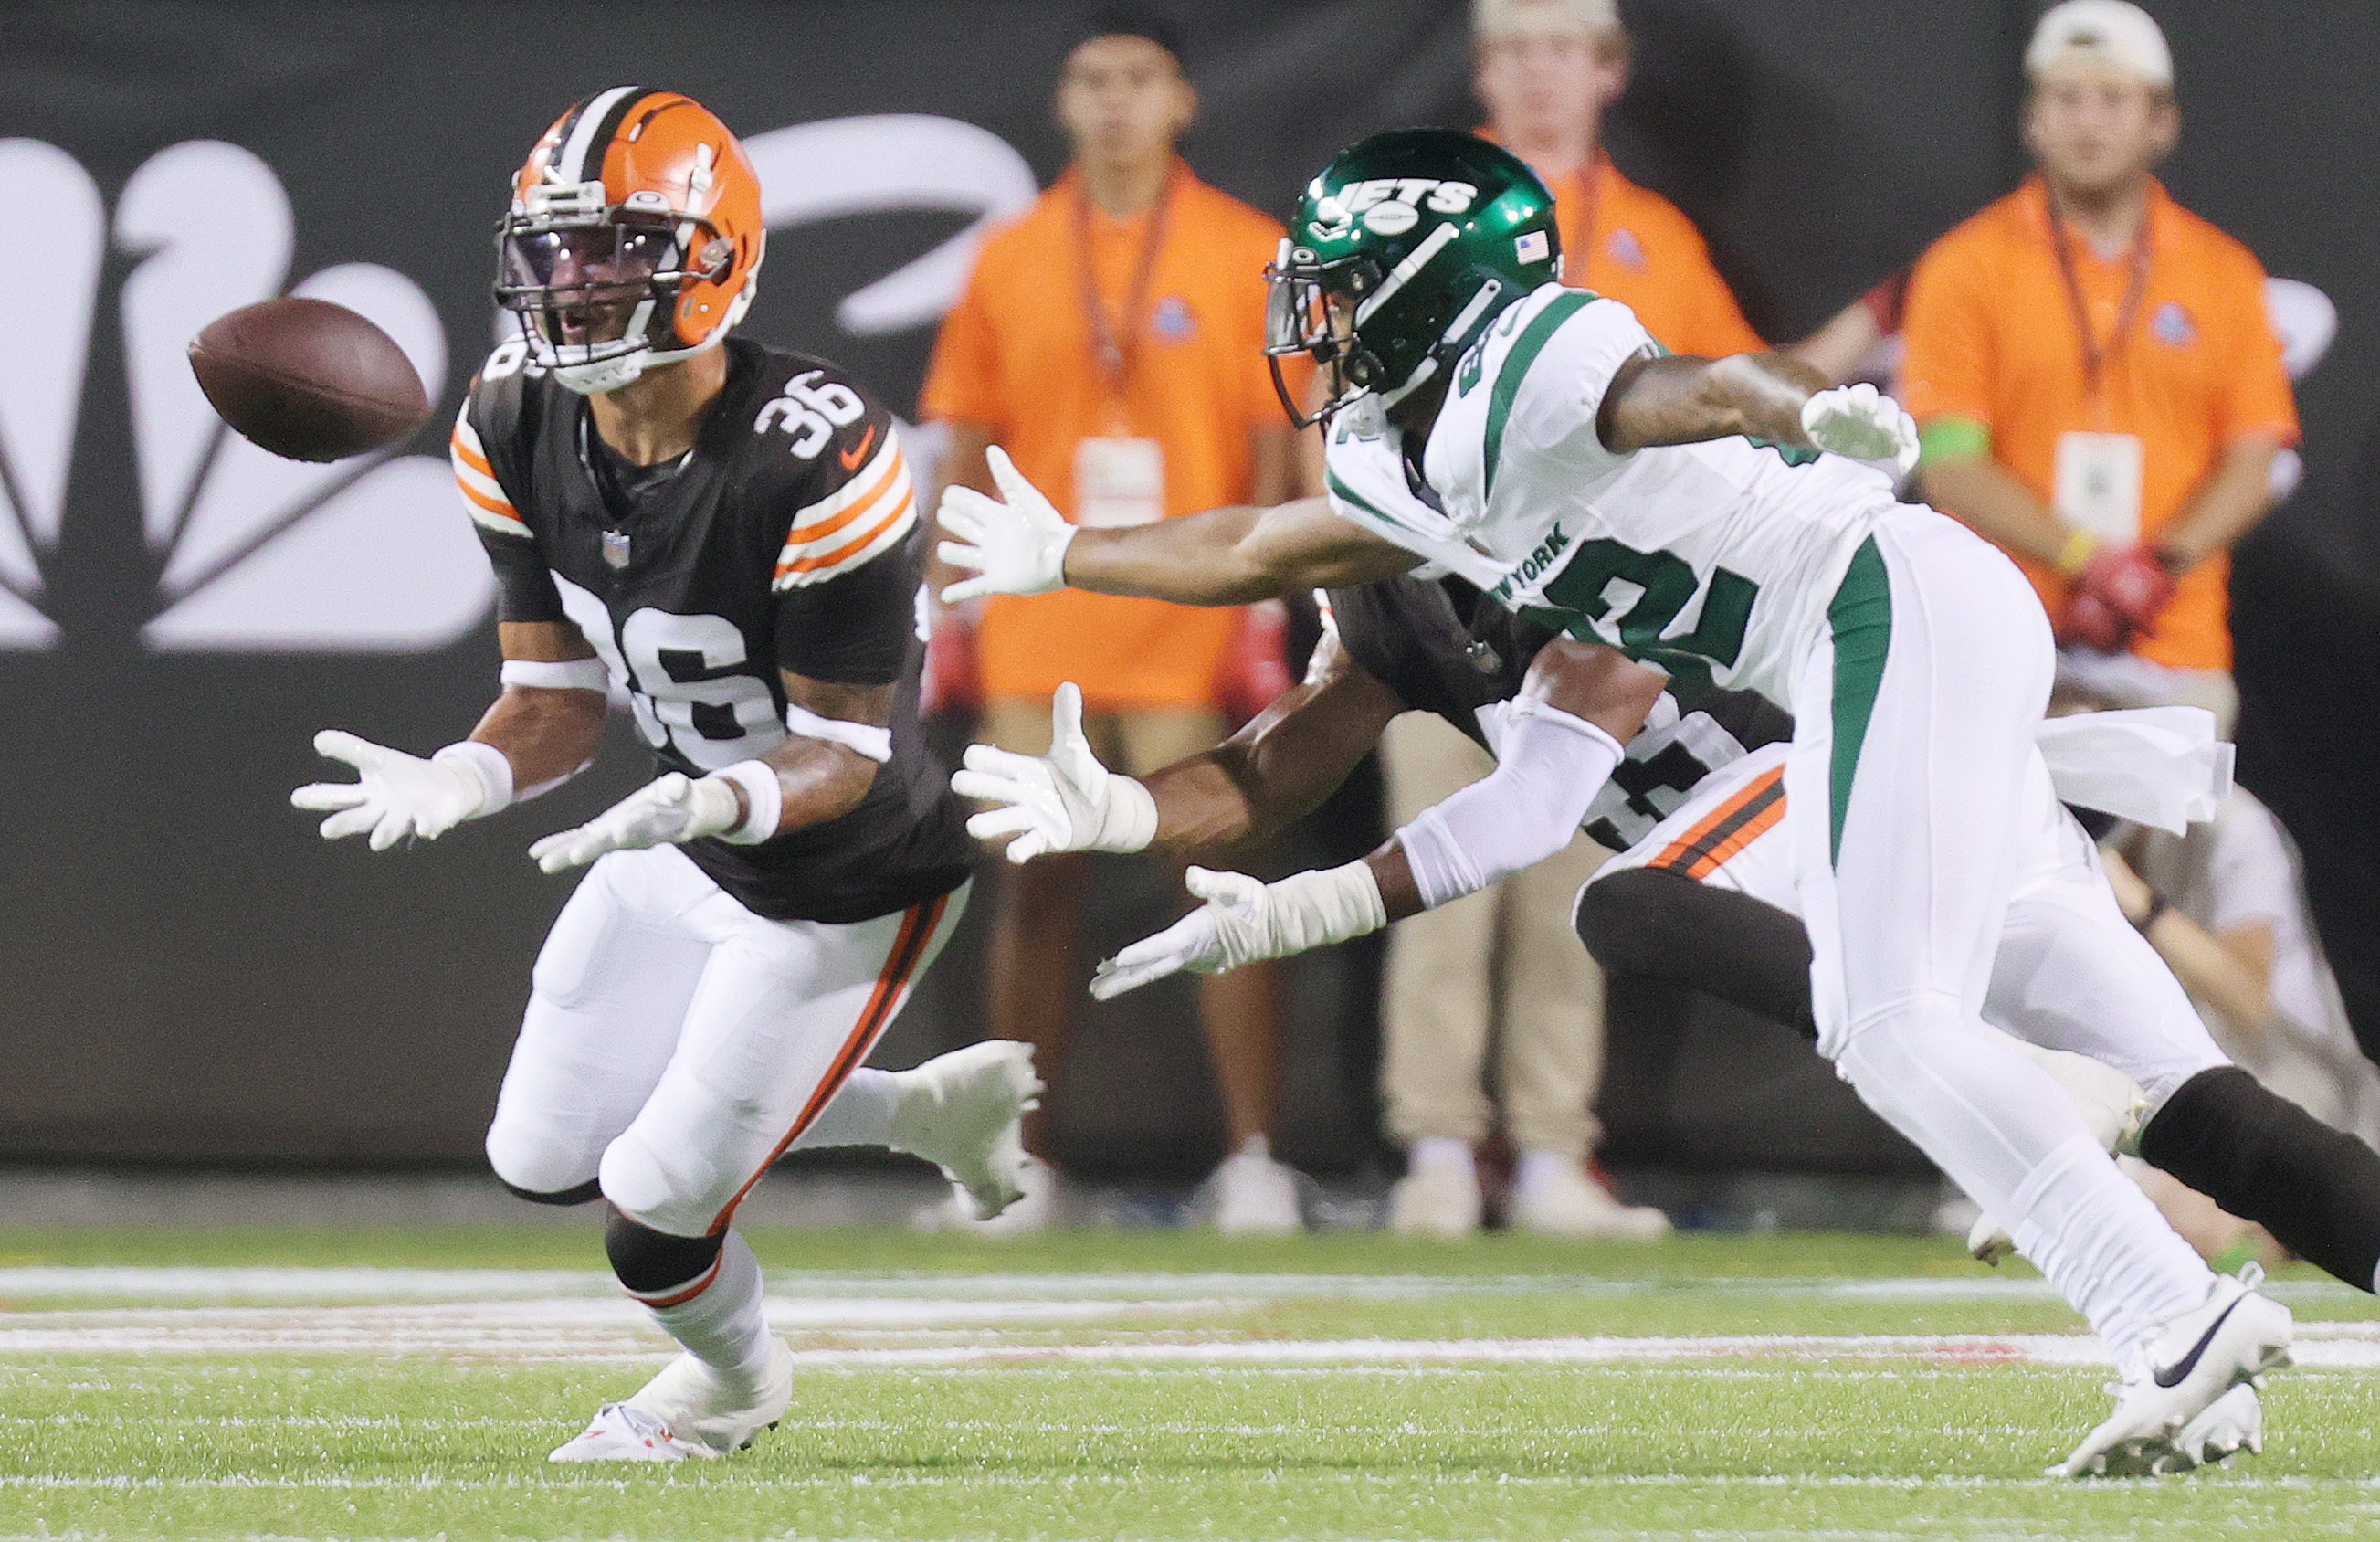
[307, 380]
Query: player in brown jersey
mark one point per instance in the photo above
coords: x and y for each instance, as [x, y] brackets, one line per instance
[726, 536]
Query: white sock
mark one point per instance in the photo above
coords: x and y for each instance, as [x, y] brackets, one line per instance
[860, 1113]
[1540, 1167]
[2083, 1233]
[1258, 1146]
[721, 1325]
[1431, 1152]
[2002, 1130]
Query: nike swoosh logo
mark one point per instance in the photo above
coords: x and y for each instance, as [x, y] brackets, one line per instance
[2173, 1375]
[851, 458]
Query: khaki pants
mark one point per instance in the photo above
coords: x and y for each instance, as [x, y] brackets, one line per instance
[1504, 958]
[1135, 742]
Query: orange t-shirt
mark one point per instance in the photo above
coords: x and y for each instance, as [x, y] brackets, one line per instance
[1017, 357]
[1630, 244]
[1992, 337]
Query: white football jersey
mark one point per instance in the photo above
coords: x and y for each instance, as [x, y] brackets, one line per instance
[1713, 562]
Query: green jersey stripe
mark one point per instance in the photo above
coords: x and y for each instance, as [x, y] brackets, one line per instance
[1860, 620]
[1525, 348]
[1341, 490]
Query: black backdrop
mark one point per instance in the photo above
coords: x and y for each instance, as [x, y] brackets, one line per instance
[186, 971]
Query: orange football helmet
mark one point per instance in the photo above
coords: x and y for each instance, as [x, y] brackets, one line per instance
[634, 237]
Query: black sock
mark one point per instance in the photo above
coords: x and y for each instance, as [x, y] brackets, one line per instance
[647, 1261]
[2266, 1159]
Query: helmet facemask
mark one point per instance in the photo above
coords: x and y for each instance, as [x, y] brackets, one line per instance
[595, 286]
[1310, 308]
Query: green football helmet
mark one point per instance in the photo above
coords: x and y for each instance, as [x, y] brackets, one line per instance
[1401, 253]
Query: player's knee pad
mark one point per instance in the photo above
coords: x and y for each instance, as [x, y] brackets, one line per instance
[649, 1262]
[641, 1184]
[2263, 1158]
[541, 1171]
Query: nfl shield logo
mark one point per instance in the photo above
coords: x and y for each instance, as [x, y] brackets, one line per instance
[615, 548]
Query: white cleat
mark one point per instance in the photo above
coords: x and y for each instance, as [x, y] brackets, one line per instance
[619, 1433]
[1255, 1195]
[1566, 1200]
[2193, 1362]
[964, 1113]
[1436, 1199]
[2231, 1423]
[718, 1414]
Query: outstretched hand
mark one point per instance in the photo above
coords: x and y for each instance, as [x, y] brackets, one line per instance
[395, 794]
[1013, 544]
[1063, 801]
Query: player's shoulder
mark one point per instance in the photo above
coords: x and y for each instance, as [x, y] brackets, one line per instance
[819, 459]
[1553, 352]
[503, 410]
[506, 396]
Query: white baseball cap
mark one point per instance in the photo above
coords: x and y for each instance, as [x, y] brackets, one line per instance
[1504, 18]
[2116, 34]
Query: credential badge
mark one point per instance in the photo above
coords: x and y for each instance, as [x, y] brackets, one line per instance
[615, 549]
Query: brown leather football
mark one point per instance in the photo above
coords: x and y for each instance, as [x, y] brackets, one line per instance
[308, 380]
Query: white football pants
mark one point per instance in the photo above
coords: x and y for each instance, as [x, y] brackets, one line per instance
[1916, 790]
[2070, 973]
[676, 1044]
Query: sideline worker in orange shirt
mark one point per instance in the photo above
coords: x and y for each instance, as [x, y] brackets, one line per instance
[1110, 340]
[1503, 965]
[2098, 385]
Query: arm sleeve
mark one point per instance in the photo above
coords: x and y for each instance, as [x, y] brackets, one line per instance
[963, 377]
[1949, 368]
[1550, 767]
[525, 588]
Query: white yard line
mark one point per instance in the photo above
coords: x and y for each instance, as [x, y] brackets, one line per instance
[570, 1329]
[747, 1480]
[356, 1283]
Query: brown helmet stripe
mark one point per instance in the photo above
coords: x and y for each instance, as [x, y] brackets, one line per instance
[587, 132]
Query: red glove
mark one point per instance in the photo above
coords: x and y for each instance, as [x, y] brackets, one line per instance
[952, 681]
[2120, 592]
[1255, 667]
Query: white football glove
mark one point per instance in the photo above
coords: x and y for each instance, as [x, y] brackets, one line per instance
[1861, 424]
[396, 794]
[1245, 920]
[1013, 547]
[1062, 801]
[663, 812]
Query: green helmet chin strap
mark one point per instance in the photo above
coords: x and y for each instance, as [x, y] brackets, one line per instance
[1401, 253]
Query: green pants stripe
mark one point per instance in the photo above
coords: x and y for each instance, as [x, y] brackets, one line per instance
[1860, 620]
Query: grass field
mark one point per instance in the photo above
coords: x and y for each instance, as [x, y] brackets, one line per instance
[1145, 1385]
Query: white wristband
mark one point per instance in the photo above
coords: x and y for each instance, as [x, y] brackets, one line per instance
[861, 738]
[571, 674]
[764, 801]
[485, 764]
[1318, 907]
[1129, 822]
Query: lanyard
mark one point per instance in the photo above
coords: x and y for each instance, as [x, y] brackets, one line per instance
[1111, 351]
[2095, 356]
[1576, 254]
